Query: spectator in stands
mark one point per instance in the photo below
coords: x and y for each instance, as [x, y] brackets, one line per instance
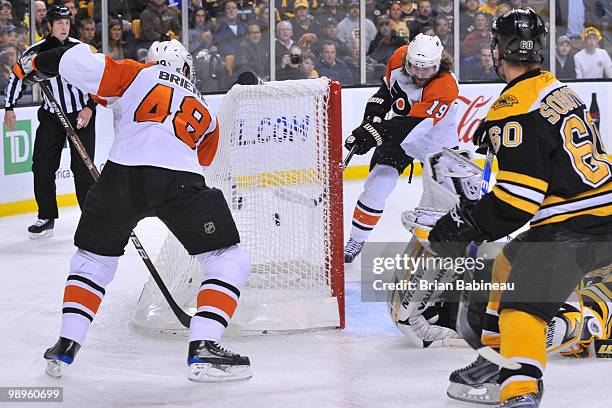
[8, 59]
[115, 40]
[117, 9]
[386, 41]
[330, 66]
[428, 30]
[6, 13]
[572, 16]
[348, 28]
[409, 9]
[200, 31]
[592, 62]
[444, 8]
[40, 11]
[303, 22]
[443, 31]
[566, 69]
[308, 65]
[87, 31]
[374, 70]
[283, 43]
[158, 23]
[210, 6]
[330, 33]
[10, 40]
[424, 18]
[395, 22]
[466, 18]
[482, 69]
[231, 30]
[254, 54]
[502, 9]
[480, 35]
[329, 10]
[306, 41]
[23, 39]
[291, 65]
[74, 26]
[515, 4]
[490, 7]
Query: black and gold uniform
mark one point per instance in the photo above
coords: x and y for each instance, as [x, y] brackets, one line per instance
[553, 166]
[554, 174]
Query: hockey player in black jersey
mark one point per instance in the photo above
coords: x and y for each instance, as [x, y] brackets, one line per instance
[553, 173]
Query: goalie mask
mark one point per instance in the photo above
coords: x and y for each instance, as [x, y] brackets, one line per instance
[172, 54]
[423, 58]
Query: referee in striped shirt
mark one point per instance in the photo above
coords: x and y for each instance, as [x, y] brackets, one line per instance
[50, 135]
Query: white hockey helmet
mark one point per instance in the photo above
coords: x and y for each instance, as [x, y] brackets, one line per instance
[172, 54]
[424, 56]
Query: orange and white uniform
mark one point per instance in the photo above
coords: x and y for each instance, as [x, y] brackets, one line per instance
[435, 104]
[421, 121]
[171, 126]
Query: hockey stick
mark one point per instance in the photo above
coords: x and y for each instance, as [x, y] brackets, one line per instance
[286, 194]
[463, 324]
[183, 317]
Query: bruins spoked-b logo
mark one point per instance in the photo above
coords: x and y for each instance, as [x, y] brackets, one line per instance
[209, 228]
[505, 101]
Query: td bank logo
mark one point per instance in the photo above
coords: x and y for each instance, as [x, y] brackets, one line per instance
[18, 148]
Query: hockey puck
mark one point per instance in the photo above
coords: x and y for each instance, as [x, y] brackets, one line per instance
[277, 219]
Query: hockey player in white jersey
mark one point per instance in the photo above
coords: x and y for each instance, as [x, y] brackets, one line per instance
[164, 133]
[419, 93]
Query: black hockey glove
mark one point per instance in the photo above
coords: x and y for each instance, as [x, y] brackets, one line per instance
[481, 139]
[375, 110]
[365, 137]
[454, 231]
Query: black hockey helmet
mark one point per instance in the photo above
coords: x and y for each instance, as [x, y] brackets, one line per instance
[521, 35]
[57, 12]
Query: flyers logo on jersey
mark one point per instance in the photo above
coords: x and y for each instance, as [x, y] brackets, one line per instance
[504, 101]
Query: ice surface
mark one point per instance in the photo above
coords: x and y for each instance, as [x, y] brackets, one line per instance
[369, 364]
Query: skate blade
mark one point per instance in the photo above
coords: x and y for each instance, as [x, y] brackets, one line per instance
[209, 373]
[55, 368]
[42, 235]
[486, 394]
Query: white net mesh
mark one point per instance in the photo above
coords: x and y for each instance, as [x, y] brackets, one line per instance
[272, 165]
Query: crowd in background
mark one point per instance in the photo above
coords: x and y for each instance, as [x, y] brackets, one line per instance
[313, 37]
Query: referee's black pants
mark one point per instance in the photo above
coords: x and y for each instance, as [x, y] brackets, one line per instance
[50, 140]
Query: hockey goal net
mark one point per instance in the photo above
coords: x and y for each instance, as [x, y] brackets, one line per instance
[279, 166]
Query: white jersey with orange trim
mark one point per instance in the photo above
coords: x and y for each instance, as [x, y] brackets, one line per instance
[160, 117]
[435, 103]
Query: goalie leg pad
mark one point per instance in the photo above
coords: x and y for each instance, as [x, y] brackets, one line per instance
[85, 288]
[225, 273]
[391, 155]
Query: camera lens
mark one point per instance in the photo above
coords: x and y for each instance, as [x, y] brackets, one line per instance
[295, 58]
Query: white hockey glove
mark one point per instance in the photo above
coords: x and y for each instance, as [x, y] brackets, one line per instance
[427, 330]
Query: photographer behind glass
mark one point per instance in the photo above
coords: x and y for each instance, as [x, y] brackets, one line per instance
[291, 65]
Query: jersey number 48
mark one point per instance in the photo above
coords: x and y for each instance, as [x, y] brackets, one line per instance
[189, 122]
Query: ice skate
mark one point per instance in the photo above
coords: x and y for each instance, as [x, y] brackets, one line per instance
[42, 228]
[524, 401]
[60, 355]
[352, 249]
[531, 400]
[209, 362]
[476, 383]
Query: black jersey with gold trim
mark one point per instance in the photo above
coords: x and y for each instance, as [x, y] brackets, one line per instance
[553, 167]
